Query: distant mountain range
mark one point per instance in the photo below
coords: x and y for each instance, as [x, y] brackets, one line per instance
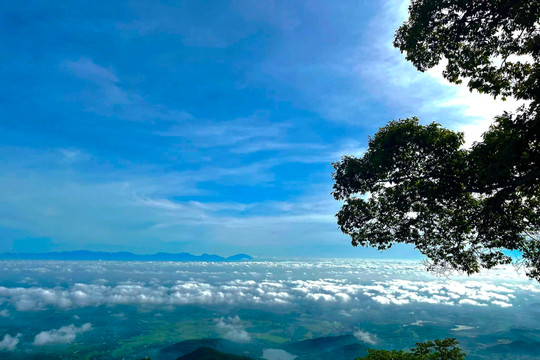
[119, 256]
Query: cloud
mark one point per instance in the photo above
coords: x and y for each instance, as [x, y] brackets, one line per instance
[104, 95]
[219, 134]
[474, 293]
[478, 110]
[462, 328]
[471, 302]
[319, 289]
[241, 135]
[366, 337]
[179, 206]
[104, 77]
[9, 343]
[63, 335]
[232, 328]
[87, 69]
[5, 313]
[235, 286]
[419, 323]
[501, 303]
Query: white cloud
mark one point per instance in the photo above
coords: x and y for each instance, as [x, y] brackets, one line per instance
[469, 292]
[470, 302]
[462, 328]
[233, 328]
[9, 343]
[366, 337]
[235, 286]
[479, 109]
[501, 303]
[4, 313]
[63, 335]
[419, 323]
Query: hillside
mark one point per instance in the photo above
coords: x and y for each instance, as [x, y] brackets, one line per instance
[206, 353]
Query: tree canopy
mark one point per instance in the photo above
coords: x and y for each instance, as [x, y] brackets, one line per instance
[416, 184]
[446, 349]
[495, 44]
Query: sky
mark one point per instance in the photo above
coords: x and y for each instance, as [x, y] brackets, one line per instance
[206, 127]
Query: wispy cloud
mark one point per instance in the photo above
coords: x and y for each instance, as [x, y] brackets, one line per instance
[104, 77]
[205, 130]
[104, 94]
[85, 68]
[249, 135]
[58, 203]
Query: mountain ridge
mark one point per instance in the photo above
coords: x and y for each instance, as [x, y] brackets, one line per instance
[120, 256]
[207, 353]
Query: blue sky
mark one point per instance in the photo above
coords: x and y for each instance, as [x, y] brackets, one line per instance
[199, 126]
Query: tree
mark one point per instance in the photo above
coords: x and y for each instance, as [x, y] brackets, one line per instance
[416, 184]
[493, 43]
[446, 349]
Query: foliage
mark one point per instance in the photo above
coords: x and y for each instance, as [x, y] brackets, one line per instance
[446, 349]
[416, 184]
[493, 43]
[420, 187]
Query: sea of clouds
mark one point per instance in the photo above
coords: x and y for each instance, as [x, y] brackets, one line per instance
[346, 289]
[277, 292]
[340, 283]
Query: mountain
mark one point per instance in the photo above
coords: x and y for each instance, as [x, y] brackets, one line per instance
[320, 344]
[239, 257]
[328, 347]
[516, 347]
[188, 346]
[345, 347]
[119, 256]
[185, 347]
[206, 353]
